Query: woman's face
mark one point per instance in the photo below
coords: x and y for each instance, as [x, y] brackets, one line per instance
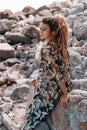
[45, 32]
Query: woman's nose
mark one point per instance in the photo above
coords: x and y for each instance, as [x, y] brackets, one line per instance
[41, 31]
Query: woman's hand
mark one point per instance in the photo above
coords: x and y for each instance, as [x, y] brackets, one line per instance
[64, 101]
[33, 83]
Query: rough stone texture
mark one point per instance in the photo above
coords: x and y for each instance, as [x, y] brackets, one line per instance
[83, 125]
[8, 122]
[75, 115]
[17, 37]
[5, 25]
[31, 31]
[81, 31]
[6, 51]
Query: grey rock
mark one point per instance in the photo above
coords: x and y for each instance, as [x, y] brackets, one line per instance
[6, 51]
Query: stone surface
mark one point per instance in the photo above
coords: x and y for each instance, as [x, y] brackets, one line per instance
[6, 51]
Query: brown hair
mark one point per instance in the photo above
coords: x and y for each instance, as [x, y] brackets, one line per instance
[59, 32]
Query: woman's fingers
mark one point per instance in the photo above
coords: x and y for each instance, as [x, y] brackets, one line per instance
[34, 82]
[64, 102]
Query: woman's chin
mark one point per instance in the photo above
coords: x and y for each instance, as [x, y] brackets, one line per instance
[42, 39]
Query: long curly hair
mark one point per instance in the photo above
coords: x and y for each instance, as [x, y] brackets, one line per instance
[59, 33]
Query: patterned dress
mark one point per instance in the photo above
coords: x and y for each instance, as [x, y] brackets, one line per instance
[52, 72]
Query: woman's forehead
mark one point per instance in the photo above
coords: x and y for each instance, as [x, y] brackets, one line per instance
[44, 25]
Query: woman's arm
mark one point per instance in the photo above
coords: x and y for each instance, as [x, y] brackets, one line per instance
[63, 88]
[64, 98]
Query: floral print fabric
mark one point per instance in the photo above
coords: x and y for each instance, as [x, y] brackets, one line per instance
[52, 72]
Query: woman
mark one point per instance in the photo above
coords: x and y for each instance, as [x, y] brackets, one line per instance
[53, 84]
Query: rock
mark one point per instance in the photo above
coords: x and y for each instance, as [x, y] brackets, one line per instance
[17, 16]
[40, 9]
[61, 4]
[75, 57]
[31, 19]
[28, 10]
[73, 42]
[20, 92]
[2, 67]
[80, 84]
[11, 61]
[43, 126]
[84, 49]
[77, 49]
[0, 121]
[2, 80]
[8, 123]
[5, 13]
[6, 51]
[84, 63]
[45, 13]
[17, 37]
[77, 73]
[80, 31]
[72, 116]
[85, 13]
[5, 25]
[6, 107]
[83, 125]
[3, 39]
[78, 8]
[31, 31]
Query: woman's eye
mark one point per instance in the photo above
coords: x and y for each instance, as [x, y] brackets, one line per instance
[42, 29]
